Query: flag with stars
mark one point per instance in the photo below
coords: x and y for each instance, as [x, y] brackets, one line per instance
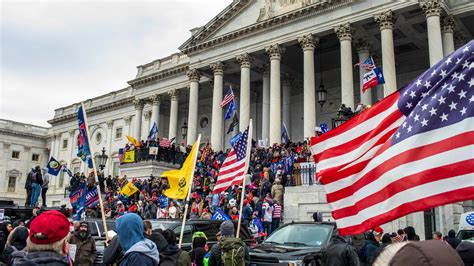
[236, 163]
[410, 152]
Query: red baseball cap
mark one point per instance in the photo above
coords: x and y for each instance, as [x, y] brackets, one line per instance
[378, 230]
[49, 227]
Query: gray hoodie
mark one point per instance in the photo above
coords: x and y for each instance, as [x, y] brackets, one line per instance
[146, 248]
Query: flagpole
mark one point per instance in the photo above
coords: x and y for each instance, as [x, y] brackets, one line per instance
[247, 160]
[96, 179]
[186, 206]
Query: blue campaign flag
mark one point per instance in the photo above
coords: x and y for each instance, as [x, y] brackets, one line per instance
[83, 148]
[231, 109]
[77, 199]
[67, 171]
[92, 197]
[53, 166]
[163, 200]
[285, 137]
[220, 215]
[258, 224]
[324, 127]
[234, 139]
[153, 132]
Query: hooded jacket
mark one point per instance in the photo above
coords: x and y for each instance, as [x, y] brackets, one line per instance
[16, 245]
[142, 253]
[452, 240]
[466, 252]
[339, 253]
[85, 248]
[43, 258]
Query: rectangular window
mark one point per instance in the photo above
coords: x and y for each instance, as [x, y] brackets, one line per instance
[35, 157]
[118, 133]
[115, 171]
[15, 154]
[11, 184]
[64, 143]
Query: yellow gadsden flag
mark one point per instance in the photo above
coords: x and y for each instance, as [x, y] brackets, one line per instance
[134, 141]
[179, 180]
[129, 157]
[129, 189]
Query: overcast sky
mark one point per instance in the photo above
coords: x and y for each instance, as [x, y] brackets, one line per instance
[55, 53]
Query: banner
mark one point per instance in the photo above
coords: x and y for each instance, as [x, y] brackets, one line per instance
[54, 167]
[129, 189]
[153, 151]
[77, 199]
[92, 197]
[129, 157]
[163, 200]
[220, 215]
[258, 224]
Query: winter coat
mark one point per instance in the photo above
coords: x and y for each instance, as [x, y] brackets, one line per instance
[277, 191]
[173, 255]
[215, 258]
[43, 258]
[466, 251]
[339, 253]
[85, 249]
[113, 252]
[142, 253]
[452, 241]
[12, 255]
[197, 256]
[368, 250]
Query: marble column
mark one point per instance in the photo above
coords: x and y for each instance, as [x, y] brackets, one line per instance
[385, 20]
[137, 133]
[217, 96]
[146, 124]
[379, 89]
[244, 60]
[265, 103]
[286, 89]
[128, 121]
[447, 32]
[155, 110]
[275, 52]
[194, 77]
[344, 33]
[363, 49]
[308, 43]
[110, 139]
[432, 9]
[173, 128]
[73, 148]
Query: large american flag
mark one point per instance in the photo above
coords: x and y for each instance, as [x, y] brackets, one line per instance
[229, 96]
[410, 152]
[235, 164]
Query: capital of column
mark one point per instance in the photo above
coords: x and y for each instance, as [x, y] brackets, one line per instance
[110, 123]
[431, 7]
[127, 119]
[72, 132]
[174, 94]
[264, 69]
[6, 146]
[27, 149]
[275, 51]
[193, 75]
[147, 115]
[385, 20]
[344, 32]
[448, 24]
[287, 79]
[138, 104]
[155, 99]
[244, 60]
[308, 42]
[363, 44]
[218, 68]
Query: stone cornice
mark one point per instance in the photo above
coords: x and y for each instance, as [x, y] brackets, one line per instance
[98, 109]
[199, 42]
[159, 75]
[22, 134]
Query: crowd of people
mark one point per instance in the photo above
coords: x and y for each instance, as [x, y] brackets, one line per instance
[166, 151]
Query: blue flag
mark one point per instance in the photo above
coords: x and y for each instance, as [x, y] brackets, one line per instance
[67, 171]
[285, 137]
[258, 224]
[163, 200]
[83, 149]
[231, 109]
[53, 166]
[92, 197]
[220, 215]
[78, 201]
[234, 139]
[153, 132]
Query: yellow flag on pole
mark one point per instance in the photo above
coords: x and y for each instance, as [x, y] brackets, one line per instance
[129, 189]
[129, 157]
[179, 180]
[134, 141]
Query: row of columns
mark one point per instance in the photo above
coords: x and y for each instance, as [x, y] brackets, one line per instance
[272, 115]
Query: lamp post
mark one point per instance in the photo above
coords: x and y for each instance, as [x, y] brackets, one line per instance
[184, 130]
[101, 160]
[322, 92]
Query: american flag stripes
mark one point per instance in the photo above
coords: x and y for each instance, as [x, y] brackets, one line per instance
[410, 152]
[165, 143]
[235, 164]
[229, 96]
[368, 64]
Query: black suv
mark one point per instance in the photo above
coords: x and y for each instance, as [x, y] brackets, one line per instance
[297, 243]
[209, 227]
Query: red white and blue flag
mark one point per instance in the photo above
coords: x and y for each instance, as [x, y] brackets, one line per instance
[235, 164]
[373, 78]
[368, 64]
[229, 96]
[410, 152]
[83, 148]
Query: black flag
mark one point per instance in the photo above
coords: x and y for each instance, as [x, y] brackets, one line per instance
[235, 122]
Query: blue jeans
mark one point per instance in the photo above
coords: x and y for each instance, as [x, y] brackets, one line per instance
[35, 192]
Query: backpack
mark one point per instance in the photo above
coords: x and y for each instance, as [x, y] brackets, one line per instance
[17, 255]
[170, 260]
[232, 251]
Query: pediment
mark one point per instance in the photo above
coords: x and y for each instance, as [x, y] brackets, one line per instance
[245, 16]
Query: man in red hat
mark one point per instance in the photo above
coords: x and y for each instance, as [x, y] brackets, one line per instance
[47, 243]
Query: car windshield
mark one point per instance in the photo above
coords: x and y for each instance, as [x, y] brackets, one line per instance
[163, 225]
[300, 235]
[466, 235]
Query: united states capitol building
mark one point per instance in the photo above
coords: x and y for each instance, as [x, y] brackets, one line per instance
[289, 62]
